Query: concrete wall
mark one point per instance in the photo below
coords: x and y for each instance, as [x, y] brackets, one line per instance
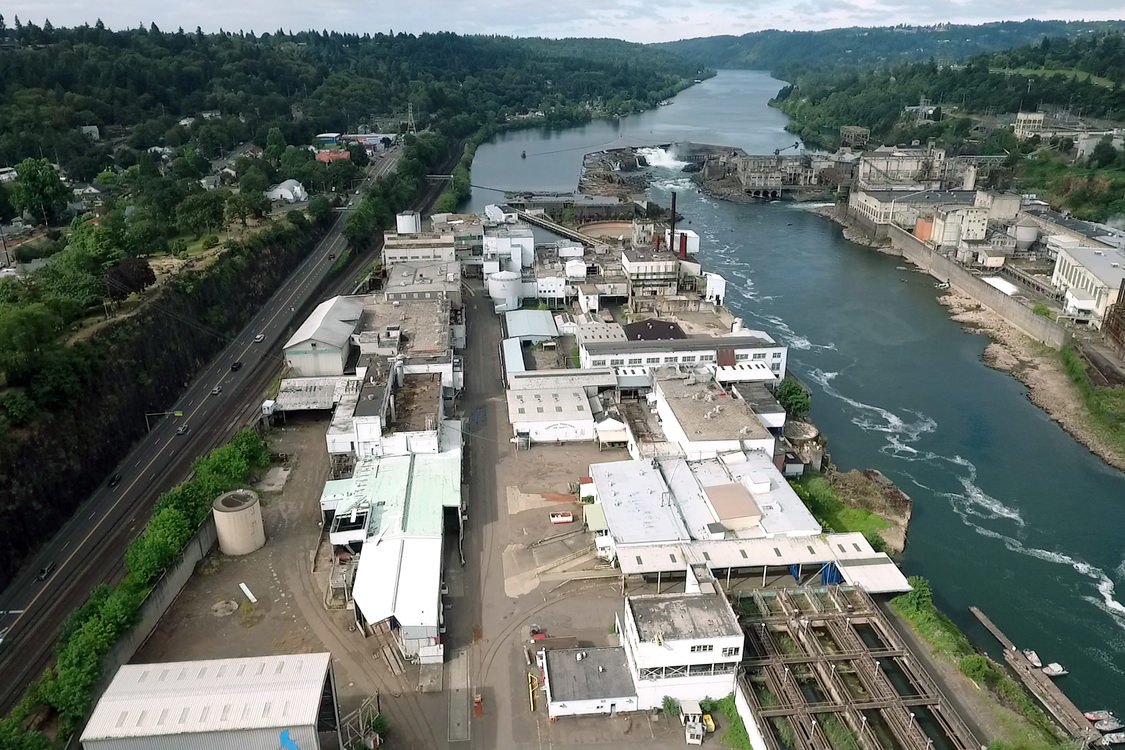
[742, 703]
[156, 604]
[946, 269]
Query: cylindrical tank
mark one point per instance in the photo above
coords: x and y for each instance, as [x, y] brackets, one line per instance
[1026, 234]
[505, 288]
[409, 222]
[238, 521]
[575, 269]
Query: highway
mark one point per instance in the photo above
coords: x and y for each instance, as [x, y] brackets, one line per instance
[89, 548]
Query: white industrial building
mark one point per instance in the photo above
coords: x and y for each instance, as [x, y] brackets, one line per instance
[219, 704]
[551, 415]
[586, 681]
[392, 512]
[426, 279]
[1090, 278]
[535, 326]
[507, 247]
[409, 244]
[321, 345]
[705, 418]
[741, 347]
[685, 645]
[289, 191]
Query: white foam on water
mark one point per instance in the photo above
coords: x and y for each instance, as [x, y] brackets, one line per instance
[661, 157]
[872, 418]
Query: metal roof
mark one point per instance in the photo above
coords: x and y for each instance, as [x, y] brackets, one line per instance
[513, 357]
[332, 322]
[549, 405]
[531, 324]
[590, 377]
[694, 344]
[147, 700]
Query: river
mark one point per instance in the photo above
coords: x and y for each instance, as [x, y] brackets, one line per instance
[1010, 513]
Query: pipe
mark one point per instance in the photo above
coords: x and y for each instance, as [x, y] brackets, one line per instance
[672, 230]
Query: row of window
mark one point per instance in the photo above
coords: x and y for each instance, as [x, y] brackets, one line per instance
[704, 648]
[675, 359]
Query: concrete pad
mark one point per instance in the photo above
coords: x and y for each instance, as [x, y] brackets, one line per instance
[274, 480]
[460, 700]
[430, 677]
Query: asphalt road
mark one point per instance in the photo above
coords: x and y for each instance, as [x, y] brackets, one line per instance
[89, 548]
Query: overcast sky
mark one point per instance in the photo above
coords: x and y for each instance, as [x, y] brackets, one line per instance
[634, 20]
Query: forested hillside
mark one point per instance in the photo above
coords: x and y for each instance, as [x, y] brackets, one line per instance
[784, 53]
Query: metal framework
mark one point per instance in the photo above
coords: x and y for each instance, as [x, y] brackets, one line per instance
[822, 664]
[1114, 323]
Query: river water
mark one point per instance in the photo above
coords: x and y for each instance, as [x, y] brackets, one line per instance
[1010, 513]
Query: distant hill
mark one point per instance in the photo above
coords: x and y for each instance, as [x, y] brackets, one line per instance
[785, 52]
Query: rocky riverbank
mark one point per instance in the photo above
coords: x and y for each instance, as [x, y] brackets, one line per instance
[1036, 366]
[852, 231]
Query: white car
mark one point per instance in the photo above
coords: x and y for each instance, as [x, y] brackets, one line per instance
[259, 338]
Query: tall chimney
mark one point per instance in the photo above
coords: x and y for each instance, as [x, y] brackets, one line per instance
[672, 230]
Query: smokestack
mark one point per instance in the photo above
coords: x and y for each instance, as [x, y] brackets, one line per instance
[672, 230]
[683, 247]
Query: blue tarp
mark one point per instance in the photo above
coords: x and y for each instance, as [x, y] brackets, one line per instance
[795, 571]
[831, 575]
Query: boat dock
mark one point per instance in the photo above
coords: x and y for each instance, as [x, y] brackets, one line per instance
[1041, 686]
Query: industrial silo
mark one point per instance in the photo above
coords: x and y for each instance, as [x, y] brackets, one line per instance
[238, 521]
[505, 288]
[1026, 233]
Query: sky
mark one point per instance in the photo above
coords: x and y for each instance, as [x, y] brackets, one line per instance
[634, 20]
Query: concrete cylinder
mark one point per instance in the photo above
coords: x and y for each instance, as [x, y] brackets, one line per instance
[238, 522]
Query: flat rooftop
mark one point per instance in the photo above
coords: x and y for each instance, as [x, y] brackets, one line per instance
[682, 616]
[783, 513]
[418, 403]
[549, 405]
[653, 330]
[423, 276]
[393, 239]
[1108, 264]
[926, 197]
[424, 324]
[706, 411]
[372, 398]
[306, 394]
[759, 398]
[600, 673]
[649, 255]
[692, 344]
[637, 502]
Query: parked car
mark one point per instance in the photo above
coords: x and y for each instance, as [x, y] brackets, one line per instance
[236, 366]
[46, 571]
[114, 481]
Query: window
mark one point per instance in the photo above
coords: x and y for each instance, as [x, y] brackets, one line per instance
[520, 410]
[777, 355]
[730, 651]
[702, 648]
[616, 362]
[634, 360]
[688, 358]
[597, 362]
[670, 360]
[706, 357]
[652, 361]
[776, 367]
[759, 355]
[539, 409]
[741, 357]
[558, 409]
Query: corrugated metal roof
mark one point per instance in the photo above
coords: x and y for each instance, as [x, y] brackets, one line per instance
[185, 697]
[332, 322]
[531, 324]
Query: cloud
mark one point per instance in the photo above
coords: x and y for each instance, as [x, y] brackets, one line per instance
[634, 20]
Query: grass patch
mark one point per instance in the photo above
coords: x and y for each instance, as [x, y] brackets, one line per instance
[1105, 406]
[831, 513]
[917, 608]
[736, 736]
[342, 261]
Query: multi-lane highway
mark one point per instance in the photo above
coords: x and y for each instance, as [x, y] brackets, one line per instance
[89, 548]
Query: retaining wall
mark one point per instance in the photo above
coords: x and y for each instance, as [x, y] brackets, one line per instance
[1011, 310]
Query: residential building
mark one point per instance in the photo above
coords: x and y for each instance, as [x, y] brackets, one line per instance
[218, 703]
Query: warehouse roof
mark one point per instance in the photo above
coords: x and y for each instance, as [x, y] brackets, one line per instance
[692, 344]
[534, 325]
[548, 405]
[146, 700]
[332, 322]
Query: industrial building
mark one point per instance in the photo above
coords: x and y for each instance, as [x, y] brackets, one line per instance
[321, 345]
[1090, 278]
[551, 415]
[586, 681]
[256, 702]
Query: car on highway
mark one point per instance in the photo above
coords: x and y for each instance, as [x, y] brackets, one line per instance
[331, 256]
[114, 481]
[259, 338]
[182, 430]
[236, 366]
[216, 390]
[46, 571]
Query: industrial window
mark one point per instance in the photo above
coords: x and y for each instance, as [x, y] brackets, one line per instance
[777, 552]
[760, 355]
[617, 361]
[671, 360]
[639, 561]
[857, 549]
[742, 357]
[702, 648]
[841, 548]
[744, 555]
[672, 558]
[580, 407]
[730, 651]
[810, 549]
[598, 363]
[777, 355]
[652, 361]
[634, 360]
[706, 556]
[539, 409]
[706, 357]
[688, 358]
[520, 410]
[776, 366]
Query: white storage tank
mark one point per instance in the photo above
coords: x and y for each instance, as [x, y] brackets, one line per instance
[409, 222]
[1026, 233]
[505, 289]
[238, 522]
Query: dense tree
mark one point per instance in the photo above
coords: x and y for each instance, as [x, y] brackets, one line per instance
[794, 398]
[130, 276]
[7, 207]
[202, 212]
[39, 192]
[319, 209]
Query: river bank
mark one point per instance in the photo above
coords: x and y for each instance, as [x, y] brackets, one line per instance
[1036, 366]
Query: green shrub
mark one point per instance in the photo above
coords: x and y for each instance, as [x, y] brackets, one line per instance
[210, 241]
